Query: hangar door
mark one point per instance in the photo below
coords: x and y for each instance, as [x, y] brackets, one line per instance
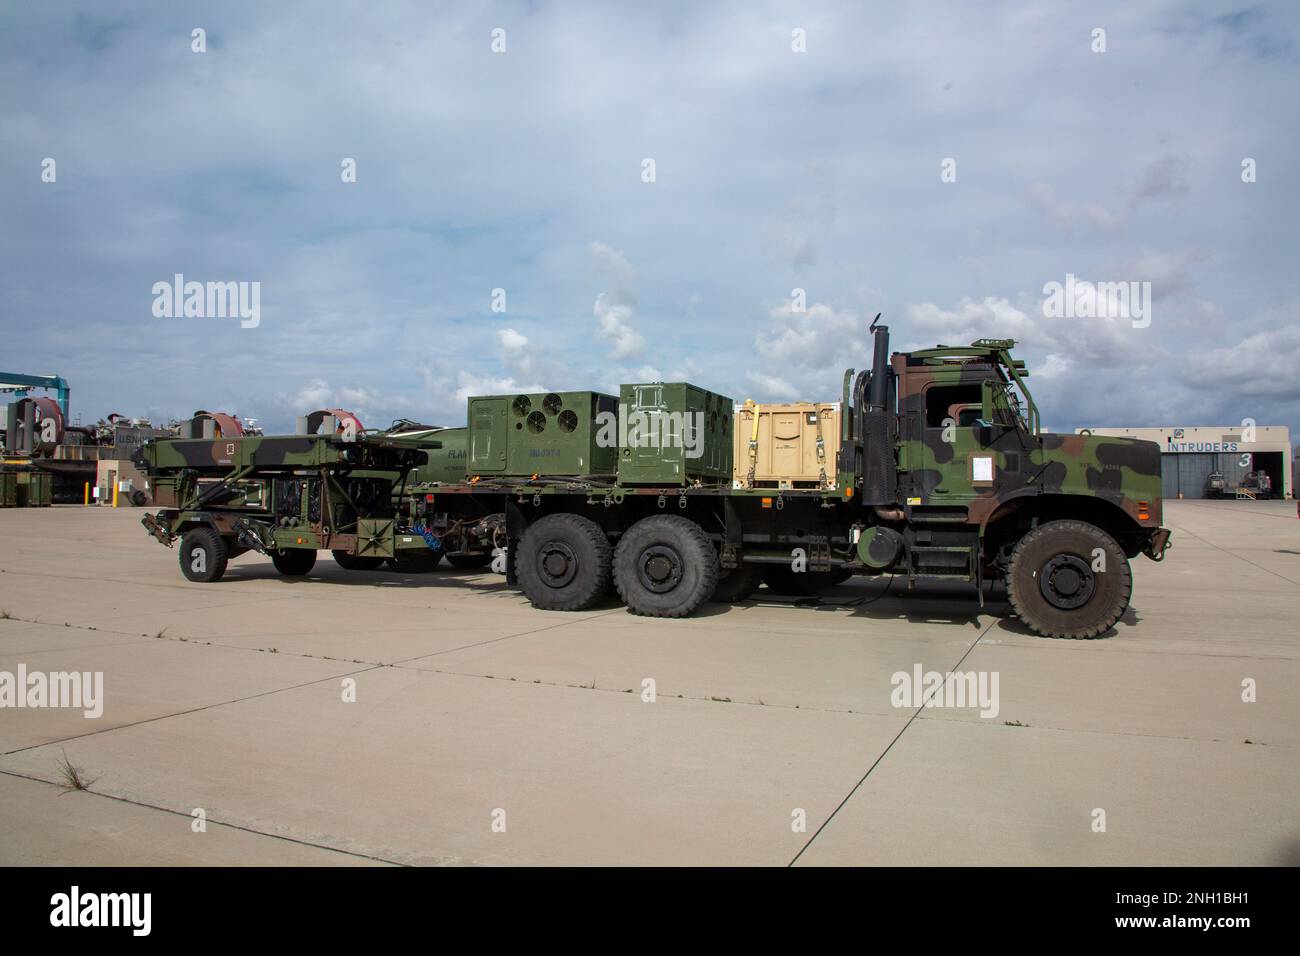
[1192, 471]
[1187, 473]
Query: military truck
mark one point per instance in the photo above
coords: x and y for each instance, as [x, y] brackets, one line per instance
[943, 473]
[1256, 484]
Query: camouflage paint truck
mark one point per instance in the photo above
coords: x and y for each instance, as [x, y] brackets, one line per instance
[285, 496]
[942, 473]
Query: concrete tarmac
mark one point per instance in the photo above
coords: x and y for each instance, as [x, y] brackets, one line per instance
[484, 731]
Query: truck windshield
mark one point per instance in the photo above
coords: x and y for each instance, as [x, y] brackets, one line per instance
[1008, 408]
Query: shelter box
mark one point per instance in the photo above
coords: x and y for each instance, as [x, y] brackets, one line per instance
[789, 446]
[673, 433]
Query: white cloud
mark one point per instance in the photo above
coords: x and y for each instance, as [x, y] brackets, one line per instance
[613, 307]
[771, 387]
[1261, 365]
[1066, 216]
[818, 338]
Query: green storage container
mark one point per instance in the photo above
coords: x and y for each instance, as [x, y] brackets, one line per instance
[674, 433]
[549, 433]
[40, 488]
[8, 489]
[33, 489]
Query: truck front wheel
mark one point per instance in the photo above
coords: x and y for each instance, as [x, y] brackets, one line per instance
[563, 563]
[665, 566]
[203, 555]
[1069, 579]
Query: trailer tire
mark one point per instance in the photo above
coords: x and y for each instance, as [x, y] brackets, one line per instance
[469, 562]
[665, 566]
[357, 562]
[294, 562]
[203, 555]
[1053, 588]
[563, 562]
[737, 584]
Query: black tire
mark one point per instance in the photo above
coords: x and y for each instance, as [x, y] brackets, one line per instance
[469, 562]
[416, 562]
[782, 579]
[665, 566]
[356, 562]
[139, 498]
[563, 563]
[203, 555]
[294, 562]
[737, 584]
[1054, 591]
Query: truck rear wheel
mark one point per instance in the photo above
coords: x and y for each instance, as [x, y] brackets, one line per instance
[737, 584]
[665, 566]
[469, 562]
[356, 562]
[203, 555]
[1069, 579]
[294, 562]
[563, 562]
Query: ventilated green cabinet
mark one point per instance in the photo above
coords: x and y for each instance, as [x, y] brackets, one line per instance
[549, 433]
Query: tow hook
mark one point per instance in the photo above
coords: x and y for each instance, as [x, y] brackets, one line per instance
[246, 536]
[1159, 544]
[157, 529]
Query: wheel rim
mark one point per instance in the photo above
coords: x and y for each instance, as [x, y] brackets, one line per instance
[659, 568]
[1067, 582]
[557, 563]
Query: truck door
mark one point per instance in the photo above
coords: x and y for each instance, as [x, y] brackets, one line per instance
[956, 465]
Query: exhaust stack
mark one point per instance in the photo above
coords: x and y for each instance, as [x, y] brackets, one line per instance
[879, 472]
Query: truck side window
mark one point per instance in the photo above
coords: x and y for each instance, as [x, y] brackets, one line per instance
[940, 398]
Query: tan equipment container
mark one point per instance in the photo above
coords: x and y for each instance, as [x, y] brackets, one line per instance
[786, 447]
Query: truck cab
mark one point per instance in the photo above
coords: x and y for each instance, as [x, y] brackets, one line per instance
[952, 461]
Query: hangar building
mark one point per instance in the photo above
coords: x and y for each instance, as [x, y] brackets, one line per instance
[1189, 454]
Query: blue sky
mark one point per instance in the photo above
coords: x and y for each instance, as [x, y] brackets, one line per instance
[522, 170]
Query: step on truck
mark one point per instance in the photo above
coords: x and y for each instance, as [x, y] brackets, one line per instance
[941, 471]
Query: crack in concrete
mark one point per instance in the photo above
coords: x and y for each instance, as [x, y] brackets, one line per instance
[230, 826]
[890, 746]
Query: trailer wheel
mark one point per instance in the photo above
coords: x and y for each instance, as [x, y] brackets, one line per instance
[419, 562]
[563, 562]
[737, 584]
[294, 562]
[203, 555]
[665, 566]
[469, 562]
[781, 579]
[1052, 584]
[356, 562]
